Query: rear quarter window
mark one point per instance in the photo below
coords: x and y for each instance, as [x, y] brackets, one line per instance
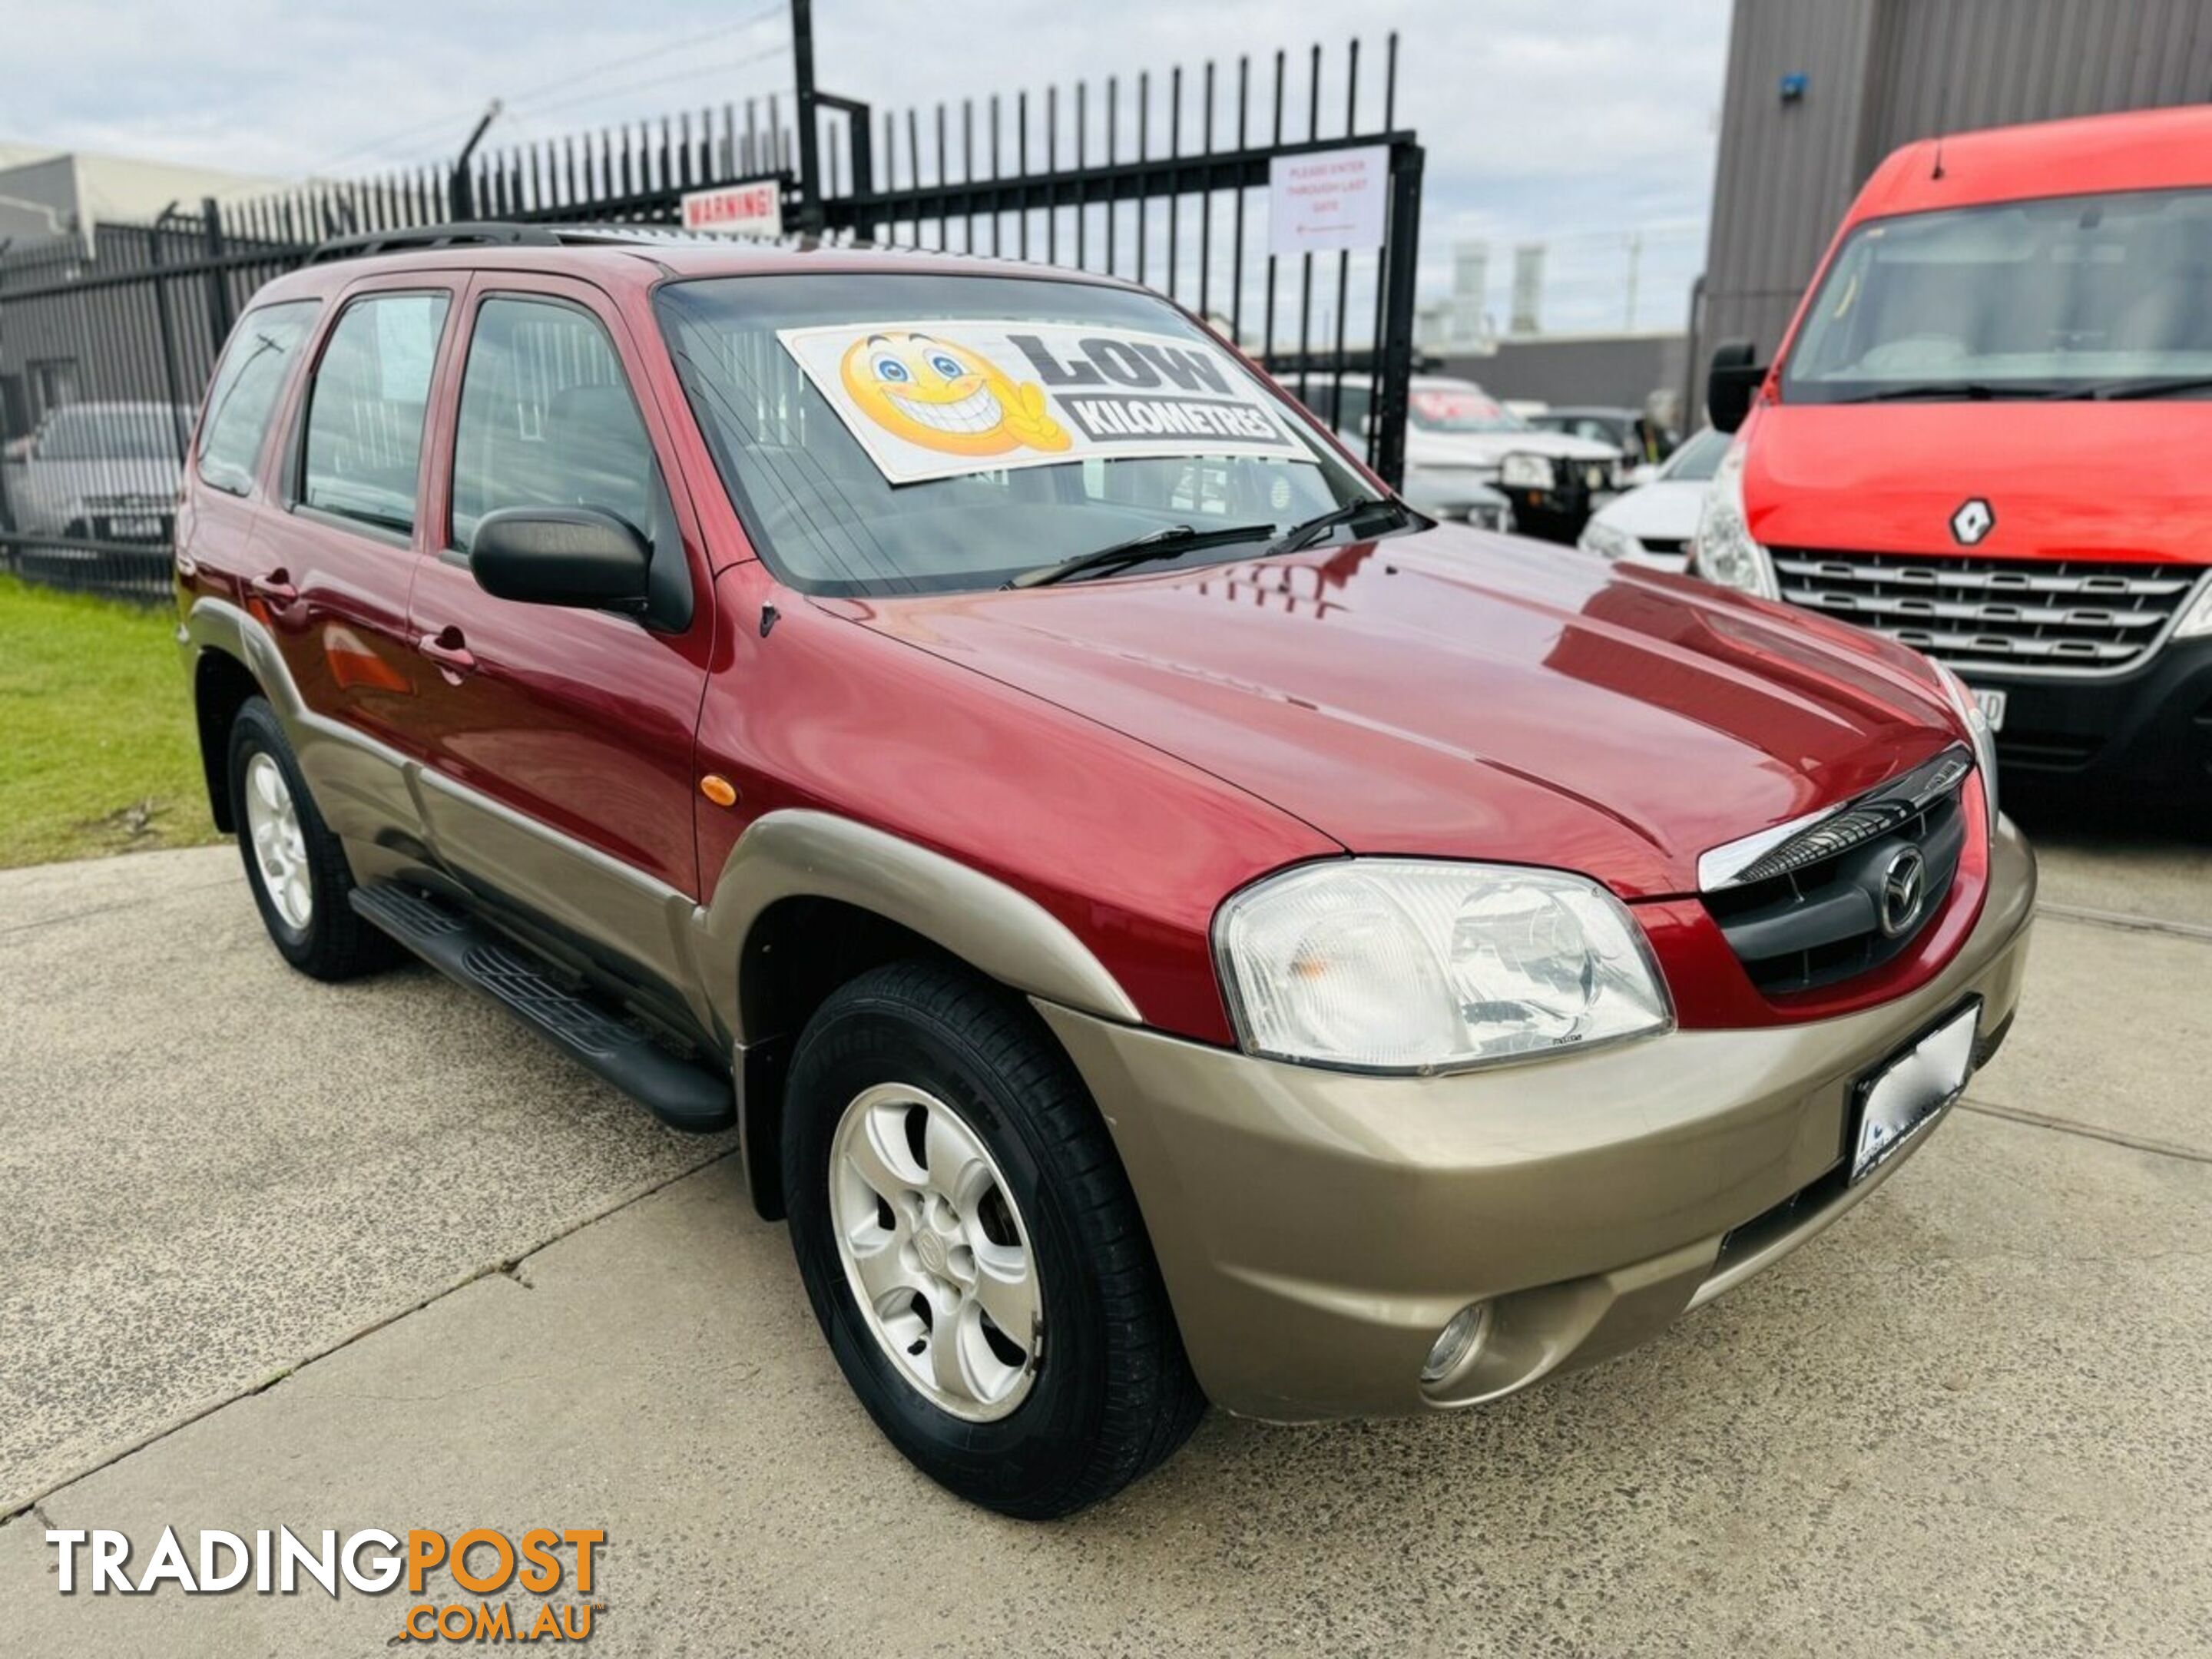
[247, 384]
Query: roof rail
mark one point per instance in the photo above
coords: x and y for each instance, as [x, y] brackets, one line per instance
[473, 233]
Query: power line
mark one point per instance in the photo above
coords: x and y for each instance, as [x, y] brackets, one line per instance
[600, 94]
[557, 84]
[744, 22]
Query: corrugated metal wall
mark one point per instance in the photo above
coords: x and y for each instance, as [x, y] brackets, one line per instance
[1881, 73]
[1785, 172]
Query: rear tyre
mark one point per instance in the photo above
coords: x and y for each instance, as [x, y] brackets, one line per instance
[972, 1248]
[296, 865]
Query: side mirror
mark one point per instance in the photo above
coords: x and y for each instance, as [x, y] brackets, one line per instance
[571, 555]
[1732, 382]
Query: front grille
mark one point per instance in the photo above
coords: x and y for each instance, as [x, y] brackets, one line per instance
[1810, 912]
[2062, 615]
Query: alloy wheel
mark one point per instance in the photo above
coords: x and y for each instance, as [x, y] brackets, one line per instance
[935, 1251]
[272, 822]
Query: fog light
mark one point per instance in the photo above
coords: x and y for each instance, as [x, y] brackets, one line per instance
[1459, 1341]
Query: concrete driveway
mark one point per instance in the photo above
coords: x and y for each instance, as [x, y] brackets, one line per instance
[279, 1253]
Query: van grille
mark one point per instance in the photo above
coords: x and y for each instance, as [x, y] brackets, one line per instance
[2066, 616]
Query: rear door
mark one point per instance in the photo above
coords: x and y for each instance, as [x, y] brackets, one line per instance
[560, 741]
[330, 567]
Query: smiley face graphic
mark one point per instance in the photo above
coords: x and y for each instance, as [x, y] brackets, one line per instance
[944, 397]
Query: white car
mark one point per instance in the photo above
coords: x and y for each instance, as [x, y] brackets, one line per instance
[102, 471]
[1654, 523]
[1461, 444]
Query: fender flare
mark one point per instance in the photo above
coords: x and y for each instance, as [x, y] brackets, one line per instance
[800, 853]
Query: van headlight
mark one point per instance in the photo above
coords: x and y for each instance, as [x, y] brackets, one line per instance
[2197, 618]
[1414, 965]
[1978, 728]
[1723, 552]
[1525, 472]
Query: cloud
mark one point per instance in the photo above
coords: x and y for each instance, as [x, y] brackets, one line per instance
[1575, 123]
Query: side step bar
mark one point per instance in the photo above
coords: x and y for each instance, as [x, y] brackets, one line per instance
[681, 1093]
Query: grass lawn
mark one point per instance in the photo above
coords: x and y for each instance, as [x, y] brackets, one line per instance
[97, 751]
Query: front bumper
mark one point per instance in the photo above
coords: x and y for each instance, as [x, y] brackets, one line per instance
[1558, 514]
[1459, 497]
[2152, 725]
[1316, 1228]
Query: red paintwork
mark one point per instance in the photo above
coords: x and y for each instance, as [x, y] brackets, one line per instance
[579, 718]
[1461, 696]
[2121, 482]
[1128, 752]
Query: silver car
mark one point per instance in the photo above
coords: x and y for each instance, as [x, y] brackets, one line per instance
[101, 471]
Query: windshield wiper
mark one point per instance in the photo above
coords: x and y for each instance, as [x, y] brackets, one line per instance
[1968, 391]
[1306, 534]
[2150, 385]
[1163, 543]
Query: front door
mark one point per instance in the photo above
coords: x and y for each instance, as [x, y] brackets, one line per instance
[560, 741]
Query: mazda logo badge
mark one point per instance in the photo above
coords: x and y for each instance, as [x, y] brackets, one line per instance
[1903, 890]
[1973, 520]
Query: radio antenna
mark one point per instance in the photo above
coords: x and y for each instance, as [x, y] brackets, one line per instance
[1943, 120]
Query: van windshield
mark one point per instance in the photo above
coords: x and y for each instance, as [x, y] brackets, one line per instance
[2065, 297]
[901, 433]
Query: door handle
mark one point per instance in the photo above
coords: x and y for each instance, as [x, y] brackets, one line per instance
[275, 587]
[446, 649]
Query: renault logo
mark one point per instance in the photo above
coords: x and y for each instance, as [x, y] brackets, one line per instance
[1903, 890]
[1973, 521]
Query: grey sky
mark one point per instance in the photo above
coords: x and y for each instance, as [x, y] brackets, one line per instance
[1576, 123]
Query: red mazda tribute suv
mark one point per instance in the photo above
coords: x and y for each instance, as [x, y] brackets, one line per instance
[1165, 920]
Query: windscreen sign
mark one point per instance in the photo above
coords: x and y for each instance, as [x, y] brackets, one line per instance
[936, 399]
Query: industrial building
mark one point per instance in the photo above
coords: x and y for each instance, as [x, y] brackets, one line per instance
[1819, 91]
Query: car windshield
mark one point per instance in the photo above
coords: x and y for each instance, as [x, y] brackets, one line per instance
[1461, 409]
[1697, 459]
[918, 433]
[2054, 297]
[115, 432]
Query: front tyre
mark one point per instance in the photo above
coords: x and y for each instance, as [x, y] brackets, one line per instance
[971, 1247]
[296, 865]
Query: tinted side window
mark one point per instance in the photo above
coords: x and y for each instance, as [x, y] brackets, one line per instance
[365, 412]
[547, 420]
[244, 395]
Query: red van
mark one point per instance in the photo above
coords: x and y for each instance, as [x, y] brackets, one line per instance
[1986, 437]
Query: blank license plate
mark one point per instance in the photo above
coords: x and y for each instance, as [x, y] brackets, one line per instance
[1993, 706]
[1910, 1090]
[136, 530]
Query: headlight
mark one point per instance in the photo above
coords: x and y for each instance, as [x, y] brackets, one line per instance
[1603, 538]
[2198, 619]
[1978, 728]
[1525, 472]
[1418, 965]
[1723, 550]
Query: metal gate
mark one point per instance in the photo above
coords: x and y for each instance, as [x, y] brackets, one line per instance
[106, 342]
[1155, 179]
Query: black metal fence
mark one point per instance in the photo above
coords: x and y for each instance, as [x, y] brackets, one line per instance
[1156, 179]
[106, 345]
